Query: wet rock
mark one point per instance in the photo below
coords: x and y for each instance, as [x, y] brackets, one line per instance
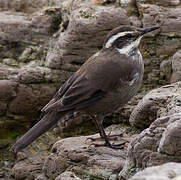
[166, 171]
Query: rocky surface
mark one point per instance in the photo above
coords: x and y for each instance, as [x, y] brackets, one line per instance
[77, 157]
[166, 171]
[161, 102]
[52, 39]
[160, 142]
[43, 42]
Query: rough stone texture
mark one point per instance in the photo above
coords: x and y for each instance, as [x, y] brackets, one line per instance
[29, 164]
[160, 143]
[157, 103]
[24, 170]
[168, 17]
[85, 24]
[168, 171]
[77, 156]
[67, 175]
[167, 43]
[176, 67]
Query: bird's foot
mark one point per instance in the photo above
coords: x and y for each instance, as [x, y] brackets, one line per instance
[108, 144]
[109, 137]
[107, 140]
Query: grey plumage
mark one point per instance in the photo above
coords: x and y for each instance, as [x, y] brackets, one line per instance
[104, 83]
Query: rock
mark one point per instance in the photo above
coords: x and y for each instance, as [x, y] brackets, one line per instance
[8, 90]
[25, 102]
[31, 75]
[176, 67]
[85, 24]
[28, 6]
[154, 14]
[10, 62]
[159, 143]
[155, 145]
[41, 177]
[30, 162]
[67, 175]
[168, 171]
[157, 103]
[166, 70]
[98, 162]
[31, 169]
[166, 3]
[73, 157]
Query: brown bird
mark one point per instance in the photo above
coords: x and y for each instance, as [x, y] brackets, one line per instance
[104, 83]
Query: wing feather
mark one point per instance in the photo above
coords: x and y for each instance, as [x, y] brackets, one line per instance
[98, 76]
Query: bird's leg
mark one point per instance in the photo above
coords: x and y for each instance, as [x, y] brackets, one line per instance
[104, 136]
[101, 132]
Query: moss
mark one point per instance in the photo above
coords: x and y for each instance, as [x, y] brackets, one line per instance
[85, 174]
[50, 11]
[56, 20]
[7, 134]
[87, 14]
[10, 129]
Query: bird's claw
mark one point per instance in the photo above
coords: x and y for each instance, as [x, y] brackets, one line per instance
[109, 137]
[94, 139]
[113, 146]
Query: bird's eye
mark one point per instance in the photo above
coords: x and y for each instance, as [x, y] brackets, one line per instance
[129, 35]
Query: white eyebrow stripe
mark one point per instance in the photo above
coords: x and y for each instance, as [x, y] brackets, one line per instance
[113, 38]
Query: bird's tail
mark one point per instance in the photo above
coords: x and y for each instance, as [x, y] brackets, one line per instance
[38, 129]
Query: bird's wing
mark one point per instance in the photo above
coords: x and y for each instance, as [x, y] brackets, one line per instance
[99, 75]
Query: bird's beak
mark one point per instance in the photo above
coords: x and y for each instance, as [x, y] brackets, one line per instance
[149, 29]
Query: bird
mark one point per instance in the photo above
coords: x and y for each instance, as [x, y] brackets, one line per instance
[103, 84]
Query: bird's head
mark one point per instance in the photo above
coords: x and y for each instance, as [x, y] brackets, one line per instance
[126, 39]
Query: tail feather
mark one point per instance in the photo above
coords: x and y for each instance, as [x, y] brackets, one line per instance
[38, 129]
